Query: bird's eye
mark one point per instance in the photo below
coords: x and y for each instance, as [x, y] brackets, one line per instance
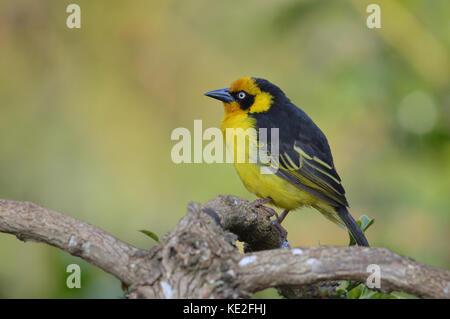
[241, 95]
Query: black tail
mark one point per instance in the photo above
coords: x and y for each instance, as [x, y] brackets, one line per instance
[352, 226]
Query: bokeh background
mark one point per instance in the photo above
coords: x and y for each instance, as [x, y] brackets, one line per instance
[86, 116]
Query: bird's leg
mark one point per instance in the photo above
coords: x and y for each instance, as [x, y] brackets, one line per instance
[259, 203]
[277, 223]
[282, 216]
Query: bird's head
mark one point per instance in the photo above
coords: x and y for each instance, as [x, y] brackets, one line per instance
[248, 95]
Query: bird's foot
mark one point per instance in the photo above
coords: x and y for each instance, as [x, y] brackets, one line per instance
[277, 223]
[281, 229]
[259, 203]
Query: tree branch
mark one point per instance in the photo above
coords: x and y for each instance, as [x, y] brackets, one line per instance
[29, 222]
[199, 258]
[302, 266]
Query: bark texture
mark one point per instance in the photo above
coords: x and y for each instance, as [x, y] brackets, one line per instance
[198, 258]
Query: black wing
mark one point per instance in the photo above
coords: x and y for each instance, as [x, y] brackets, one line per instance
[305, 157]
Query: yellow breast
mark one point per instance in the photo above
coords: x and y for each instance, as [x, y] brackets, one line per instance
[283, 194]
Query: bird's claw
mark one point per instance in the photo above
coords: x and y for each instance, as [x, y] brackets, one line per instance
[259, 203]
[281, 229]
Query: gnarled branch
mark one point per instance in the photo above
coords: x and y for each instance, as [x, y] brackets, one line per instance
[199, 259]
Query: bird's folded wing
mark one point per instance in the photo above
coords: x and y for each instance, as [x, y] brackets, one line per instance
[312, 170]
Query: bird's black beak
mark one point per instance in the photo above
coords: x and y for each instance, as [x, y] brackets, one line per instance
[221, 95]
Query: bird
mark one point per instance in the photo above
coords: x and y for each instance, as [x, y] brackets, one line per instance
[305, 174]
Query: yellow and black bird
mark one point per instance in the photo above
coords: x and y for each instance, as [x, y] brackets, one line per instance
[305, 175]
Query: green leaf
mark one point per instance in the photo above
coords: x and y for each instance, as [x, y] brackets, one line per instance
[341, 290]
[356, 292]
[364, 223]
[362, 292]
[150, 234]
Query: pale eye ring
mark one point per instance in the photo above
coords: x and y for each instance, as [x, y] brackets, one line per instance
[241, 95]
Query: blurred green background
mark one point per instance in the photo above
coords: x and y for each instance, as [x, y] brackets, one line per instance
[86, 116]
